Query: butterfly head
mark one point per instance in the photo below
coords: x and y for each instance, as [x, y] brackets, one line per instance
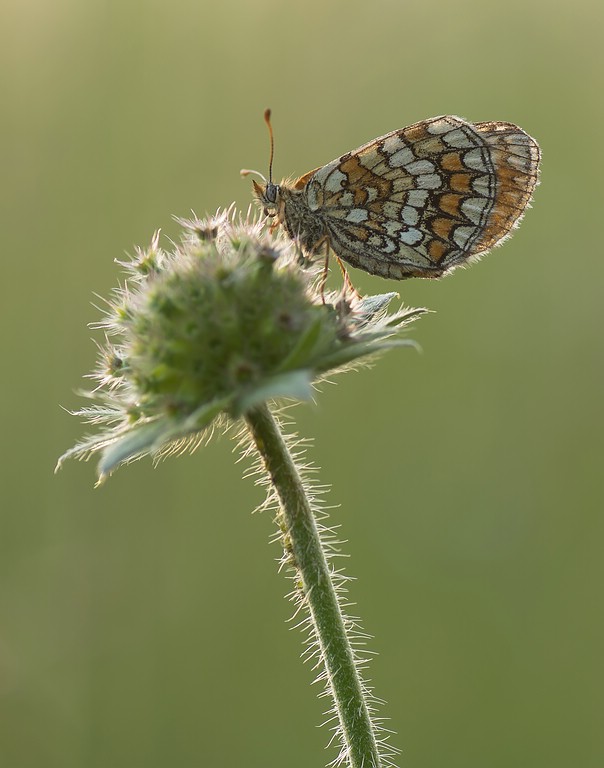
[267, 195]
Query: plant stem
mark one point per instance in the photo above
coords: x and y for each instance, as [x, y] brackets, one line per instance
[303, 541]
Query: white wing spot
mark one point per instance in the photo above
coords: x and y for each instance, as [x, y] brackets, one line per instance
[357, 215]
[438, 127]
[393, 144]
[429, 181]
[457, 139]
[473, 208]
[417, 198]
[389, 245]
[412, 236]
[314, 196]
[420, 166]
[401, 158]
[474, 159]
[462, 235]
[482, 185]
[334, 181]
[410, 215]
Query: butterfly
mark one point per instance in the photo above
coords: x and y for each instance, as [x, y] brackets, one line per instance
[417, 202]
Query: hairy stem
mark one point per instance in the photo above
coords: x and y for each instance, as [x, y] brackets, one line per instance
[304, 543]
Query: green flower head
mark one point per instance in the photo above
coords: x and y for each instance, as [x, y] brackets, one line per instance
[228, 318]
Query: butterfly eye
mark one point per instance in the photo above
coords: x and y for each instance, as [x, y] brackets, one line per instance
[271, 192]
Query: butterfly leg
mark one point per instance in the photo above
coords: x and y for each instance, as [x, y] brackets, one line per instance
[273, 225]
[348, 286]
[325, 272]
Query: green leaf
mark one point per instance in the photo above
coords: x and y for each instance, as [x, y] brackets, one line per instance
[135, 443]
[294, 384]
[301, 354]
[351, 352]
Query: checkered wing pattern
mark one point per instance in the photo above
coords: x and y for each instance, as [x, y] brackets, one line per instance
[419, 201]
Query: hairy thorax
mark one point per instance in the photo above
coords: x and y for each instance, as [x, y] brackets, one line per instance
[301, 223]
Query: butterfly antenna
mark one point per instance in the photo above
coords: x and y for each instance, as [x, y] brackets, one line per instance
[246, 171]
[267, 120]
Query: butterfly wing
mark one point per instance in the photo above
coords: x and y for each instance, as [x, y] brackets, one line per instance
[422, 200]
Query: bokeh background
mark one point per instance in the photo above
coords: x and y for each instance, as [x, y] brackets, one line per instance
[144, 624]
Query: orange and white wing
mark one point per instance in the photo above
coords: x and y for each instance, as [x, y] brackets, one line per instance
[422, 200]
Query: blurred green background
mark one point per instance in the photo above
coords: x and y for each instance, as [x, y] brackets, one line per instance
[143, 624]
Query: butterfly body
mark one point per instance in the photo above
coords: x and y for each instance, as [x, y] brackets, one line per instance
[417, 202]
